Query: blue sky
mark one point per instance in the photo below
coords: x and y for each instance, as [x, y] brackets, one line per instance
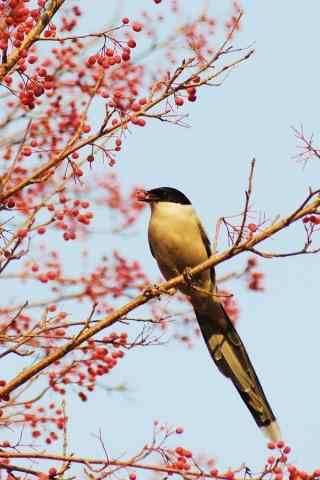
[249, 116]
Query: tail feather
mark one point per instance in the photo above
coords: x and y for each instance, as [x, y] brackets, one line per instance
[230, 356]
[272, 431]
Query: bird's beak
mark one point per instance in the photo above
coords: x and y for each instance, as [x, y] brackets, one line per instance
[145, 196]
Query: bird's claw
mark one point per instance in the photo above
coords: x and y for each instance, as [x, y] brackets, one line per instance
[172, 291]
[157, 291]
[149, 291]
[187, 275]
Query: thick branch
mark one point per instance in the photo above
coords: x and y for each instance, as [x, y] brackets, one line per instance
[110, 462]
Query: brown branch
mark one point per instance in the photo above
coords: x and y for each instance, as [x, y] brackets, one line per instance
[17, 468]
[7, 176]
[246, 207]
[104, 33]
[221, 50]
[302, 251]
[307, 147]
[8, 325]
[111, 462]
[231, 276]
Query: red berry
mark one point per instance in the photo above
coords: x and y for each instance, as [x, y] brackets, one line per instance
[252, 227]
[179, 101]
[135, 107]
[179, 430]
[52, 275]
[303, 474]
[26, 151]
[92, 60]
[32, 59]
[180, 465]
[22, 232]
[52, 472]
[292, 469]
[125, 56]
[137, 27]
[43, 278]
[38, 90]
[131, 43]
[41, 230]
[229, 475]
[125, 21]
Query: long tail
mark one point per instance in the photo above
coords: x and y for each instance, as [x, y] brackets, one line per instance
[230, 356]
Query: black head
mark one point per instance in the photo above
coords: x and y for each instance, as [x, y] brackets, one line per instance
[164, 194]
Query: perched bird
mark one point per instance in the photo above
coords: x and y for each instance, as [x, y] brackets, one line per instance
[178, 241]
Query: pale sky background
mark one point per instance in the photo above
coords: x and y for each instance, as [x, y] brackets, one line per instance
[250, 115]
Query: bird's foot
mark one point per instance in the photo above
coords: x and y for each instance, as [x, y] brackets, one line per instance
[187, 276]
[157, 291]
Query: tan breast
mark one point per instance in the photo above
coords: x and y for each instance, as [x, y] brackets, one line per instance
[175, 240]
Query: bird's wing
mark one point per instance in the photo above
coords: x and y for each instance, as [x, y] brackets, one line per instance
[150, 246]
[206, 242]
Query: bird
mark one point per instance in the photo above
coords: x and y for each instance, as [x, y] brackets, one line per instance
[179, 242]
